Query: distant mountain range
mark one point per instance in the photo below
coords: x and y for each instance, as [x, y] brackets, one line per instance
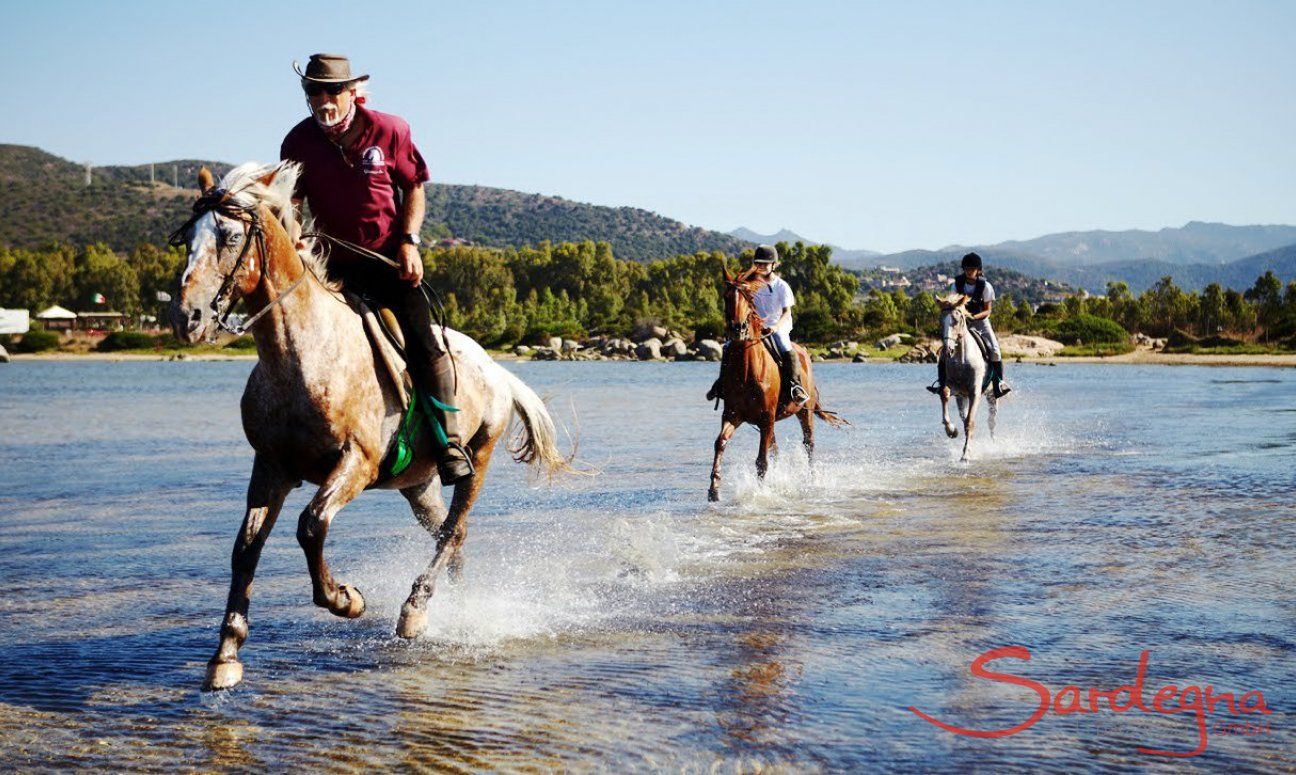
[44, 197]
[842, 255]
[1140, 274]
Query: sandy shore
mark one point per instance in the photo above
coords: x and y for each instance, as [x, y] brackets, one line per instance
[1144, 357]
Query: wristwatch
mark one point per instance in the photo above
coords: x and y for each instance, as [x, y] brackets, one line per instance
[411, 238]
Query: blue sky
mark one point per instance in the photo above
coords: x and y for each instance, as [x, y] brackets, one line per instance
[871, 125]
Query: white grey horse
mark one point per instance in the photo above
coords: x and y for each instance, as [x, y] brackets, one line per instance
[965, 371]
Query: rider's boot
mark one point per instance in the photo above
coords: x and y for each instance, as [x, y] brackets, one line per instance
[717, 389]
[792, 372]
[1001, 388]
[939, 385]
[453, 461]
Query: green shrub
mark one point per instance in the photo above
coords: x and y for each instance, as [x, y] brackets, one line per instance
[1220, 341]
[127, 340]
[1090, 329]
[37, 341]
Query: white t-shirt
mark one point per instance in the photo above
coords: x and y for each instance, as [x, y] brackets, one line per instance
[963, 286]
[771, 300]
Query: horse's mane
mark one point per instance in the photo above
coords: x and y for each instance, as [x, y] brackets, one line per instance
[750, 276]
[245, 187]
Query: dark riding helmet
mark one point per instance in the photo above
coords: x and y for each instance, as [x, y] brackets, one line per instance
[765, 254]
[971, 261]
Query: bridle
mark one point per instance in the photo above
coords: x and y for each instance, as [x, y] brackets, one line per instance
[741, 331]
[222, 202]
[958, 326]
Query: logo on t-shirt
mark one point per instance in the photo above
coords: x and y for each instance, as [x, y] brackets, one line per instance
[371, 161]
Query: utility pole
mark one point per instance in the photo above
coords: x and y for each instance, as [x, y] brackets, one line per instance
[152, 181]
[175, 175]
[88, 167]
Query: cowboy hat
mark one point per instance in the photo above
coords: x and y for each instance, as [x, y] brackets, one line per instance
[328, 68]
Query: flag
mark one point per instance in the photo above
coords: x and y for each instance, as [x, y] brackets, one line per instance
[98, 298]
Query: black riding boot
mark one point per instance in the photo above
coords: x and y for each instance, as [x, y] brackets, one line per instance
[940, 377]
[1001, 388]
[453, 461]
[717, 388]
[792, 373]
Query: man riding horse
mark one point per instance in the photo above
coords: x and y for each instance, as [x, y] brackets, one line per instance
[363, 179]
[981, 296]
[774, 304]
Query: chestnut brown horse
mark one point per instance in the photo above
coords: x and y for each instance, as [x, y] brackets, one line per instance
[752, 389]
[319, 405]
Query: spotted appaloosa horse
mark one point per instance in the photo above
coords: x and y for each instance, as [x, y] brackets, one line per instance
[752, 386]
[317, 408]
[965, 372]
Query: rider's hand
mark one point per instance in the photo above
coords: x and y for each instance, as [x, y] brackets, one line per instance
[766, 330]
[411, 264]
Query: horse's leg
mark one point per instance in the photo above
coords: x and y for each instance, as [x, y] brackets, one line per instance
[449, 533]
[762, 453]
[266, 492]
[994, 412]
[969, 422]
[727, 428]
[806, 416]
[950, 429]
[344, 483]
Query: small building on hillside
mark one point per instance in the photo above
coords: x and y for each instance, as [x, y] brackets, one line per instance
[57, 318]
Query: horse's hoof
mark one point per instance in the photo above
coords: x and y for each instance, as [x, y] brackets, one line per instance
[713, 495]
[355, 604]
[952, 432]
[412, 622]
[223, 675]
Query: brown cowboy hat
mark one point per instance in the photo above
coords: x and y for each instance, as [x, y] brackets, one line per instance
[328, 68]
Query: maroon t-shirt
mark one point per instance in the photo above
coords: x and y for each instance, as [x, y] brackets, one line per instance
[352, 191]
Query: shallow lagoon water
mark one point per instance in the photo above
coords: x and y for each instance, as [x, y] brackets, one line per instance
[620, 621]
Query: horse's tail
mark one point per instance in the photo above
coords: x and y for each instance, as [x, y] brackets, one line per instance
[832, 418]
[535, 442]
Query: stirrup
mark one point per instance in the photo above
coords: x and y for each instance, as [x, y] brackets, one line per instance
[1002, 390]
[798, 389]
[454, 464]
[936, 388]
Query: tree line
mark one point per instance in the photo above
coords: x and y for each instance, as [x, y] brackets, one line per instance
[507, 296]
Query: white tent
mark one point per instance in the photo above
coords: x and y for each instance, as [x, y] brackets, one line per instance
[14, 321]
[56, 313]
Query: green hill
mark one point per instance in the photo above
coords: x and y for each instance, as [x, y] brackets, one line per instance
[44, 198]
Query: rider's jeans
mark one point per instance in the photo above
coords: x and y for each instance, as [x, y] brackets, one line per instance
[987, 333]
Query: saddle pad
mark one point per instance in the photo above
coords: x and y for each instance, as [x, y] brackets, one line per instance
[392, 360]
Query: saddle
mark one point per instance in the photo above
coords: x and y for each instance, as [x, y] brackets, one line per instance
[388, 345]
[976, 337]
[785, 384]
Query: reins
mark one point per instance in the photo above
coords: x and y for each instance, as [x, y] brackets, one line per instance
[752, 315]
[433, 299]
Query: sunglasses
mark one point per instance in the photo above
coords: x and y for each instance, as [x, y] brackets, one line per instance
[316, 89]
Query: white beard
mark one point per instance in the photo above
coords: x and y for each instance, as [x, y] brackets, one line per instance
[327, 116]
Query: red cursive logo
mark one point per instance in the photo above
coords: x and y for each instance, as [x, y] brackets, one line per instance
[1070, 699]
